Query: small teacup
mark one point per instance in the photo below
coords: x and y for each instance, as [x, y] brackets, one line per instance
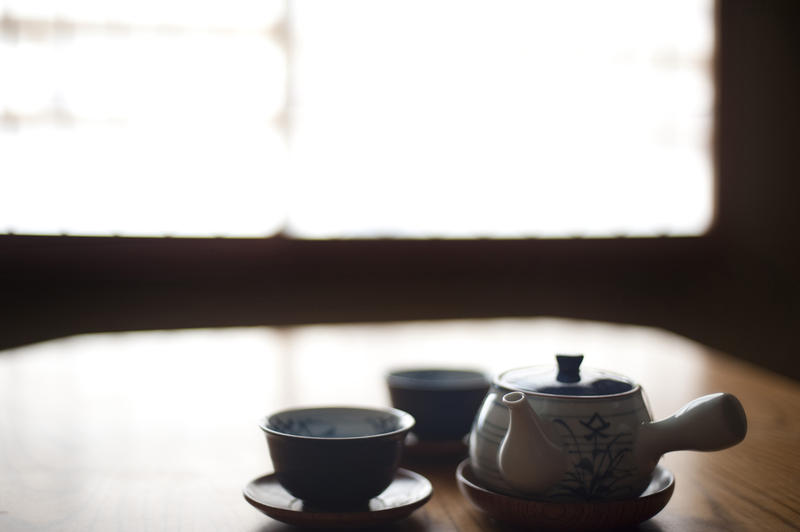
[336, 456]
[443, 401]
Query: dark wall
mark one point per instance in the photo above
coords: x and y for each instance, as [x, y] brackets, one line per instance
[735, 289]
[758, 134]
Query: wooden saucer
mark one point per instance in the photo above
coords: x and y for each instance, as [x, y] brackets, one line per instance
[593, 515]
[406, 493]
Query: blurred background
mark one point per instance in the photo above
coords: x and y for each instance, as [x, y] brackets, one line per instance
[274, 162]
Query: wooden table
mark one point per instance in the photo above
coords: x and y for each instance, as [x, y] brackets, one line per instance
[158, 430]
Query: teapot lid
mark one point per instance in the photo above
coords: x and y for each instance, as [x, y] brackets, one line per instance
[567, 379]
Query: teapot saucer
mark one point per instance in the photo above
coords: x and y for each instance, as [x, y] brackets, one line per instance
[405, 494]
[591, 515]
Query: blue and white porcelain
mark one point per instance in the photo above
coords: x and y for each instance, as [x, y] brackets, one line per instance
[336, 457]
[572, 434]
[443, 401]
[338, 422]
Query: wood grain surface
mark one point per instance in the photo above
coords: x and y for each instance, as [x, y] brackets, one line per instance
[159, 430]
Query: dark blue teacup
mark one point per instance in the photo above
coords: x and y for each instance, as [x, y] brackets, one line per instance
[443, 401]
[336, 457]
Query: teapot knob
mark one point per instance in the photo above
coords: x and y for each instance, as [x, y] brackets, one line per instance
[569, 368]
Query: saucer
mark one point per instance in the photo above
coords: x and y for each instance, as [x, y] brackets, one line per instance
[405, 494]
[594, 515]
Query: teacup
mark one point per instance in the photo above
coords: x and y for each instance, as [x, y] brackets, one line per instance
[443, 401]
[336, 456]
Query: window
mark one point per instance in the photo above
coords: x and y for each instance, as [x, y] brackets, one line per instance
[357, 118]
[142, 118]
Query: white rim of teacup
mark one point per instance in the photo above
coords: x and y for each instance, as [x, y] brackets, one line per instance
[405, 420]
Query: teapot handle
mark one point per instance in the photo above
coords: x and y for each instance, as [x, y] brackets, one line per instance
[708, 423]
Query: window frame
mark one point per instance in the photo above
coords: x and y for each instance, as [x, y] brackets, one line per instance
[714, 288]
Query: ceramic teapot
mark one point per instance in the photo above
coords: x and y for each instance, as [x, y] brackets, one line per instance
[571, 434]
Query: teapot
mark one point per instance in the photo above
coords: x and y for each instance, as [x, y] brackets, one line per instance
[572, 434]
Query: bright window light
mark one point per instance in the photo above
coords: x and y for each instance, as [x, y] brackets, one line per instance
[142, 118]
[357, 118]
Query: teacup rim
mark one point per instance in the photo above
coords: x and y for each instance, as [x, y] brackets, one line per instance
[405, 420]
[474, 378]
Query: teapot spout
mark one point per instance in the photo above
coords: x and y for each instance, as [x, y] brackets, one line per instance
[529, 460]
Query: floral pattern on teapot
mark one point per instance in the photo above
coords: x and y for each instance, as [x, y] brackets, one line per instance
[598, 460]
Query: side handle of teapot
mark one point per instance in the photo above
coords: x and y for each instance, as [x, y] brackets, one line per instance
[709, 423]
